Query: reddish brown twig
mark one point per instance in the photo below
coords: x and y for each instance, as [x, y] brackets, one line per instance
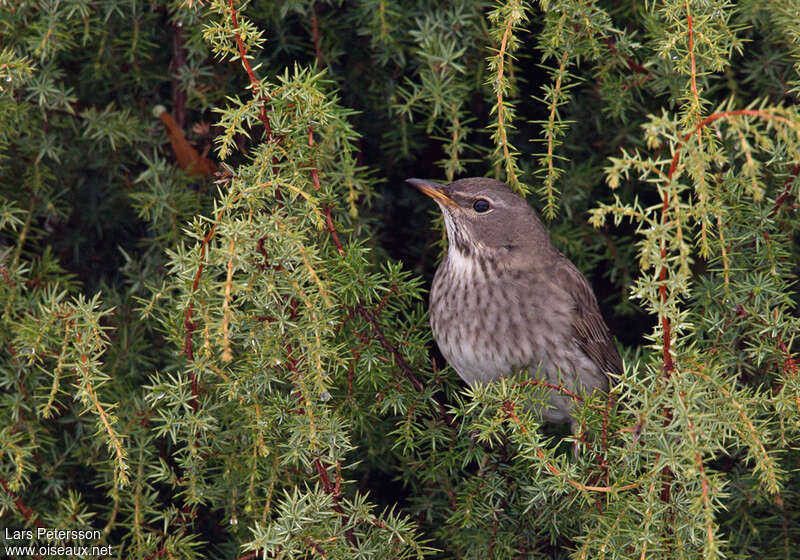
[175, 65]
[4, 273]
[789, 365]
[711, 118]
[560, 388]
[333, 489]
[315, 34]
[326, 209]
[508, 408]
[632, 64]
[254, 83]
[666, 326]
[604, 432]
[400, 361]
[29, 515]
[787, 190]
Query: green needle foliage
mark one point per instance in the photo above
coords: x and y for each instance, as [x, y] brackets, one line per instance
[220, 348]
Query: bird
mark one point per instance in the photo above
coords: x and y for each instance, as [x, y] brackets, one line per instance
[504, 299]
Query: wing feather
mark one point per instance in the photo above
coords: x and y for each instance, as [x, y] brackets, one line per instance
[589, 329]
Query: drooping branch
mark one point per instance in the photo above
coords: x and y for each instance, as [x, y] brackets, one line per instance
[693, 67]
[668, 363]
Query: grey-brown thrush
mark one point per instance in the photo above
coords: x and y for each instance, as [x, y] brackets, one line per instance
[504, 299]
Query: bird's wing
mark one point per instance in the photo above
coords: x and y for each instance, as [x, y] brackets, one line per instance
[589, 329]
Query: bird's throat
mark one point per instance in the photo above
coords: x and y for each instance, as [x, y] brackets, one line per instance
[466, 267]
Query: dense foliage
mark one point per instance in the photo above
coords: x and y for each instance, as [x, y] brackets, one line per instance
[218, 347]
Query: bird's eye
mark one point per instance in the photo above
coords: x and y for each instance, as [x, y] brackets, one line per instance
[481, 205]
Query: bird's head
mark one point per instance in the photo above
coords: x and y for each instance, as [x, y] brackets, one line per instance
[484, 217]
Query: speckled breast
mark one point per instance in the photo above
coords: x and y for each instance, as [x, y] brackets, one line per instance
[488, 323]
[464, 313]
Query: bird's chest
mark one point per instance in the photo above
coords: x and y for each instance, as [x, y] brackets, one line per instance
[485, 321]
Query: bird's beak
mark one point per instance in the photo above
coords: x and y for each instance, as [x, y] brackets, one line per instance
[434, 190]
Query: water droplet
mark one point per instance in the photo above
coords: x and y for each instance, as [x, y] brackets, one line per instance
[277, 362]
[234, 521]
[324, 396]
[160, 396]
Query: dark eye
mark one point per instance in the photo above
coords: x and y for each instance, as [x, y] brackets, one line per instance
[481, 205]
